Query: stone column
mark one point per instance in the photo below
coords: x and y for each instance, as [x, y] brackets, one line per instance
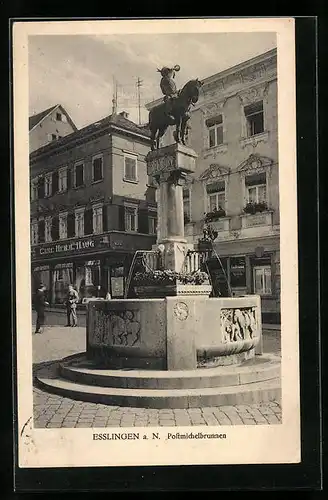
[169, 166]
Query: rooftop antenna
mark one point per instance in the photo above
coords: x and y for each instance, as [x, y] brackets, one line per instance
[139, 84]
[114, 100]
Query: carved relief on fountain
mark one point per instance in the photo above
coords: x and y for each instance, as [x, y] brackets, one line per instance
[238, 324]
[114, 327]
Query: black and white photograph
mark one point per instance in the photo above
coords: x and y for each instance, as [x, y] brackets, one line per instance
[156, 242]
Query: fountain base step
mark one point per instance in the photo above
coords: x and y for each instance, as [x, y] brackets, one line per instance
[255, 381]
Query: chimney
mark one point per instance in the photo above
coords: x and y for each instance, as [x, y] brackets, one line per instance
[124, 114]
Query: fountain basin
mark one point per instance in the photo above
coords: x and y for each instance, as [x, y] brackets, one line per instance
[173, 333]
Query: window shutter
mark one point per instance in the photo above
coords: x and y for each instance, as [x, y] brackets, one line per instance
[255, 179]
[121, 218]
[255, 107]
[88, 229]
[215, 187]
[143, 221]
[69, 178]
[55, 229]
[70, 225]
[104, 218]
[41, 231]
[41, 188]
[214, 121]
[55, 181]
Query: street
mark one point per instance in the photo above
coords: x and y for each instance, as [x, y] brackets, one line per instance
[52, 411]
[58, 317]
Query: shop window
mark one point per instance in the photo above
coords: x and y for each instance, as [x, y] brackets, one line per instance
[88, 222]
[130, 168]
[215, 131]
[70, 225]
[254, 118]
[79, 223]
[79, 174]
[117, 281]
[186, 205]
[215, 196]
[34, 189]
[62, 277]
[41, 231]
[131, 219]
[55, 229]
[97, 219]
[262, 280]
[97, 169]
[237, 272]
[41, 191]
[62, 180]
[256, 191]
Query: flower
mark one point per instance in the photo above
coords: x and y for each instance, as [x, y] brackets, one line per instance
[168, 277]
[253, 207]
[215, 215]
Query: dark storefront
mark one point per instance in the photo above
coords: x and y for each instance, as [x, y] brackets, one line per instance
[256, 271]
[94, 265]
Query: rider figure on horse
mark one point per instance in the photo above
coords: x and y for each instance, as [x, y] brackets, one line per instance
[169, 88]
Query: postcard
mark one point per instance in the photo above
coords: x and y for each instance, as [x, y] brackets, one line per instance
[156, 242]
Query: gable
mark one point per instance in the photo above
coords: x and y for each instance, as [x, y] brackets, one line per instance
[214, 171]
[255, 163]
[35, 120]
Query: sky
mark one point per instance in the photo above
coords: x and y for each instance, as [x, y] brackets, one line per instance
[77, 71]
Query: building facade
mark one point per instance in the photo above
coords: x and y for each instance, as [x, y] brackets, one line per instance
[234, 131]
[49, 125]
[92, 207]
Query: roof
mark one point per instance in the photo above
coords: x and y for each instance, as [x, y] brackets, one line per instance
[114, 120]
[35, 119]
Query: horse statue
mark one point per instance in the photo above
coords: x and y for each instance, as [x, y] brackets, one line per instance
[160, 120]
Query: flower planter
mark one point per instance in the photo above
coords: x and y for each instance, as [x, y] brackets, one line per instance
[169, 290]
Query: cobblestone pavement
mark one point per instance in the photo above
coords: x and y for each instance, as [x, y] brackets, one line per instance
[52, 411]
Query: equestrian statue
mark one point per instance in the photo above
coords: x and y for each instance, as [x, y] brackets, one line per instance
[175, 110]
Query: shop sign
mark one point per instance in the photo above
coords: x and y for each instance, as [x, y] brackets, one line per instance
[66, 265]
[75, 246]
[238, 271]
[41, 268]
[92, 263]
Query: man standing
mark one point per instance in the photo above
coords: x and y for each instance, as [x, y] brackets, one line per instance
[71, 301]
[39, 305]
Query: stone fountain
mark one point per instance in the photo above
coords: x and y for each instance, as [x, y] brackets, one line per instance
[172, 346]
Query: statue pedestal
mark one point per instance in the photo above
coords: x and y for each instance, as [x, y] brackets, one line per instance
[169, 166]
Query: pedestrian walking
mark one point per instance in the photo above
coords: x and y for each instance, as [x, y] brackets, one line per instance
[71, 303]
[39, 305]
